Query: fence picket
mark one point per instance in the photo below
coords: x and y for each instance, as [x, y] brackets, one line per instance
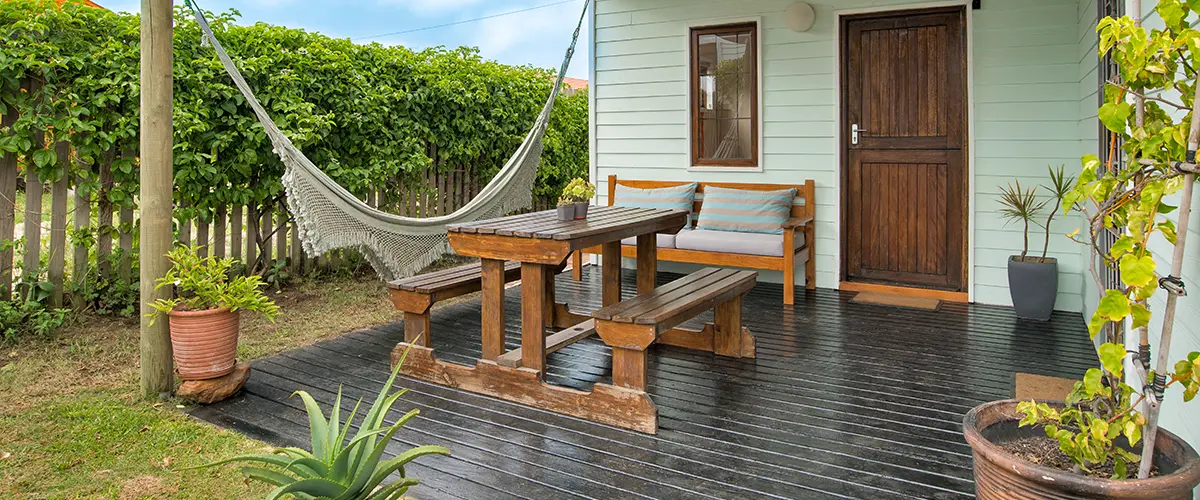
[235, 233]
[125, 240]
[104, 215]
[222, 224]
[265, 228]
[297, 260]
[83, 221]
[33, 222]
[202, 237]
[251, 237]
[281, 249]
[8, 216]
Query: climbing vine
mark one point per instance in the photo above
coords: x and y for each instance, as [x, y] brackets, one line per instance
[369, 115]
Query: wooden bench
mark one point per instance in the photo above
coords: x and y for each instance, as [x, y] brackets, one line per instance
[800, 225]
[630, 326]
[417, 294]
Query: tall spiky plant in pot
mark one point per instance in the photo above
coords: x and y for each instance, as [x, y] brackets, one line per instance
[1033, 280]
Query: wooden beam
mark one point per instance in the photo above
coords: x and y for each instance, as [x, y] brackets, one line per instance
[512, 359]
[157, 378]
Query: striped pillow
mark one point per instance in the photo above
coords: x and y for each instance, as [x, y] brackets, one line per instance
[680, 197]
[746, 211]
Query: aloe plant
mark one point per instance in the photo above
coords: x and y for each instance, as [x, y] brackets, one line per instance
[338, 468]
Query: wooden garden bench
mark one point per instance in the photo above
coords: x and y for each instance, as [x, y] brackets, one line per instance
[417, 294]
[630, 326]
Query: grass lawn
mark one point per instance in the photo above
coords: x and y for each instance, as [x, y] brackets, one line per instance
[72, 424]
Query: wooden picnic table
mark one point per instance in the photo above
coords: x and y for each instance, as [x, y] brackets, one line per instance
[542, 243]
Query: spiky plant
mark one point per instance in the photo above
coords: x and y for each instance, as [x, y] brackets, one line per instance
[1060, 185]
[1020, 205]
[338, 468]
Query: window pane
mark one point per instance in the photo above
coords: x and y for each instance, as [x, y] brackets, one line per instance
[724, 90]
[728, 139]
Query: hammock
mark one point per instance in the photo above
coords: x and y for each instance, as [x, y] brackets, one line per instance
[329, 217]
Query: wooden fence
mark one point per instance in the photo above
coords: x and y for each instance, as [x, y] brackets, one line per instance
[103, 239]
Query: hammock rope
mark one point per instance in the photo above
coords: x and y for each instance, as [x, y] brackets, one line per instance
[329, 217]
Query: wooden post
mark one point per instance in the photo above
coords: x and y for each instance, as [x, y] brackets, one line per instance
[610, 272]
[647, 262]
[492, 286]
[8, 206]
[251, 237]
[202, 237]
[157, 378]
[33, 215]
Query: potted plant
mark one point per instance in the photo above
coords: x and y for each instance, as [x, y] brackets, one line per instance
[1033, 281]
[581, 192]
[566, 209]
[1103, 441]
[204, 314]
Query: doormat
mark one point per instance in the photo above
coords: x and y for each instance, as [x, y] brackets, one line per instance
[1041, 387]
[887, 299]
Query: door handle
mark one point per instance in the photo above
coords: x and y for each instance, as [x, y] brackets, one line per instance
[855, 132]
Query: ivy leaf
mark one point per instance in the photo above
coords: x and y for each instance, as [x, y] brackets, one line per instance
[1112, 357]
[1122, 246]
[1114, 306]
[1167, 228]
[1141, 315]
[44, 158]
[1115, 115]
[1091, 381]
[1137, 271]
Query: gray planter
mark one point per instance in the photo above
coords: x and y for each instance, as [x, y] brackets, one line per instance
[581, 210]
[566, 212]
[1033, 286]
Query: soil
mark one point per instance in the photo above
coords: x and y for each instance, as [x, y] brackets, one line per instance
[1045, 452]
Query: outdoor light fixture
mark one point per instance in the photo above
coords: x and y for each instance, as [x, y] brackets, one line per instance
[799, 17]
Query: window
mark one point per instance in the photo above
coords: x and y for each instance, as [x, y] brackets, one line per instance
[725, 96]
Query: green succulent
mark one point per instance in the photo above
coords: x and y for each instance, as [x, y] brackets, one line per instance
[337, 467]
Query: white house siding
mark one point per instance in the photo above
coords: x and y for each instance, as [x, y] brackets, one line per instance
[1029, 92]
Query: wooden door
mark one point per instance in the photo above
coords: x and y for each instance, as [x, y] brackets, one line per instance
[904, 172]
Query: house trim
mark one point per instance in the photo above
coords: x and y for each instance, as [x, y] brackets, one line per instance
[758, 56]
[842, 128]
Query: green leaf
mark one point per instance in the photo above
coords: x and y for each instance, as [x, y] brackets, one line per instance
[1115, 115]
[44, 158]
[311, 487]
[317, 425]
[1122, 246]
[1141, 315]
[1092, 381]
[1112, 357]
[1114, 306]
[267, 476]
[1136, 271]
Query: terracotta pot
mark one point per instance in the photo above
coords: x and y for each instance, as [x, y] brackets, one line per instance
[204, 343]
[1001, 475]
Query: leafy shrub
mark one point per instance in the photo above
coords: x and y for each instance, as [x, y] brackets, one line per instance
[337, 467]
[206, 283]
[30, 315]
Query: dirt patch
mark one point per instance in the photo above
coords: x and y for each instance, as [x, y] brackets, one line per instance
[146, 487]
[291, 298]
[1045, 452]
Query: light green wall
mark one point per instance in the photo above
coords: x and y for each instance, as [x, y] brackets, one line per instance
[1028, 95]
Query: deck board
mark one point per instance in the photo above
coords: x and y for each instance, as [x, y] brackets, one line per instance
[843, 401]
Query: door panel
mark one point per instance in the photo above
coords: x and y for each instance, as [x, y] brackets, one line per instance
[904, 189]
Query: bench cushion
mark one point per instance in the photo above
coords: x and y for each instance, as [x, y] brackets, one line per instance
[664, 240]
[769, 245]
[676, 197]
[746, 210]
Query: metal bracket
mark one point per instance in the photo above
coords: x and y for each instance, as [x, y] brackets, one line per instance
[1173, 285]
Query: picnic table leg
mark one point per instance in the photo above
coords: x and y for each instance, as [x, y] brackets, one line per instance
[728, 339]
[492, 286]
[611, 272]
[647, 262]
[416, 328]
[629, 368]
[533, 317]
[548, 305]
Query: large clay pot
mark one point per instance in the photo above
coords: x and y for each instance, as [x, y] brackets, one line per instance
[1033, 287]
[1001, 475]
[204, 343]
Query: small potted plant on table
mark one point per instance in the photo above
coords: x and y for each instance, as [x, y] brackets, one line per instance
[566, 209]
[1033, 281]
[579, 191]
[204, 315]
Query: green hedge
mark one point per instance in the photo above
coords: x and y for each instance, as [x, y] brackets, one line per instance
[369, 115]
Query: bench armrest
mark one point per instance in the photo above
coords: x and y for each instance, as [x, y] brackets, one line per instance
[796, 222]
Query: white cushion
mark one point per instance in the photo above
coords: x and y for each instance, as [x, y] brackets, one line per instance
[664, 240]
[770, 245]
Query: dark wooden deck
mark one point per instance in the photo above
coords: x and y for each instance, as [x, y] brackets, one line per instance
[844, 400]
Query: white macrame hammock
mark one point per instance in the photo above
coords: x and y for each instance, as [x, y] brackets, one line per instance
[329, 217]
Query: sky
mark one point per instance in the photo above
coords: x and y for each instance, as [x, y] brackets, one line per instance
[538, 37]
